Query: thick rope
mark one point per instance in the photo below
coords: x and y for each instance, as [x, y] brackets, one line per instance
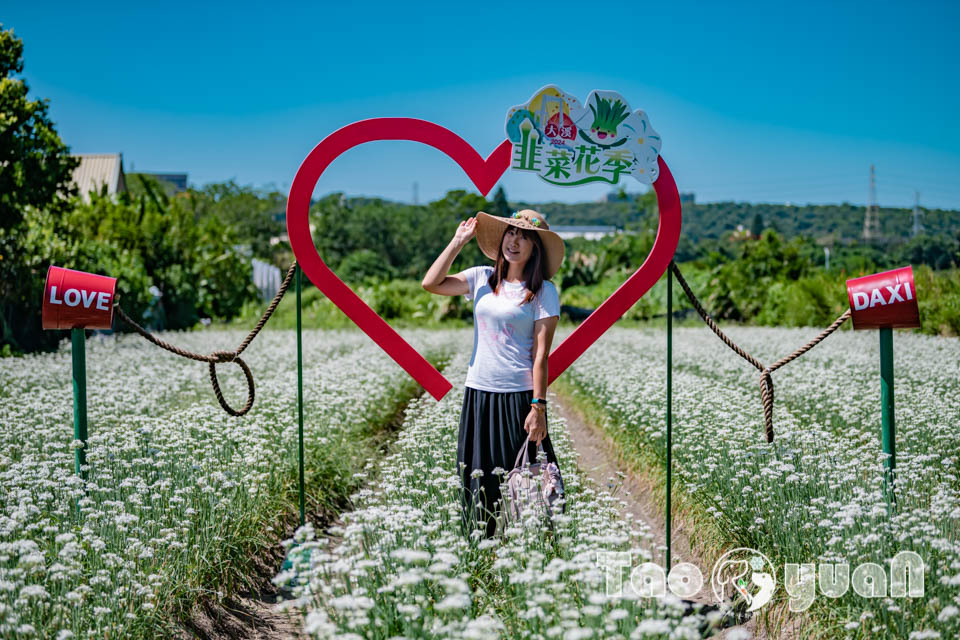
[766, 379]
[218, 357]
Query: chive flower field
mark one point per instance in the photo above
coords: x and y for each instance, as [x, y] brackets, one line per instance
[178, 493]
[180, 498]
[816, 494]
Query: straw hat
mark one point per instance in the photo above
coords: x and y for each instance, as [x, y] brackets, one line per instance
[490, 231]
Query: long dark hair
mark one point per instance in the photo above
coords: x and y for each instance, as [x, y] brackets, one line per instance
[534, 271]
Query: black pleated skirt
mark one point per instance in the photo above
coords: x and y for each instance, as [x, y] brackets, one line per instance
[491, 435]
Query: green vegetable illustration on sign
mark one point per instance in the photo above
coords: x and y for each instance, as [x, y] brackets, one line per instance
[607, 116]
[568, 144]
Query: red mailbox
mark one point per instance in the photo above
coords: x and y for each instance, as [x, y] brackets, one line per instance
[884, 300]
[75, 300]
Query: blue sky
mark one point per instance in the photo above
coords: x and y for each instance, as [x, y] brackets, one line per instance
[760, 102]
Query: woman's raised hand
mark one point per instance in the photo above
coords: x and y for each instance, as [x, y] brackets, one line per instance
[466, 230]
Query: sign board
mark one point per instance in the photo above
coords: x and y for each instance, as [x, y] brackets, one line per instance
[569, 144]
[884, 300]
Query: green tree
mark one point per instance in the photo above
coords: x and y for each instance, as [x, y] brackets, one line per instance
[756, 229]
[35, 165]
[457, 205]
[364, 265]
[445, 215]
[500, 205]
[940, 251]
[738, 287]
[407, 237]
[255, 214]
[35, 171]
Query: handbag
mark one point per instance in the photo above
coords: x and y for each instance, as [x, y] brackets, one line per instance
[537, 485]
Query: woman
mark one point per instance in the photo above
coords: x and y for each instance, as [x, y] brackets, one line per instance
[515, 312]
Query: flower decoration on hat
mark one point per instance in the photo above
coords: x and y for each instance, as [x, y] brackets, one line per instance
[528, 219]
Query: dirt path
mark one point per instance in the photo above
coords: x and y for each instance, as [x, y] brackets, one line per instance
[248, 615]
[599, 460]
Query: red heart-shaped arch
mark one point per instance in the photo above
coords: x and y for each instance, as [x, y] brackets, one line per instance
[484, 174]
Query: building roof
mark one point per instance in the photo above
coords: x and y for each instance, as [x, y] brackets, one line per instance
[178, 180]
[583, 227]
[96, 170]
[591, 232]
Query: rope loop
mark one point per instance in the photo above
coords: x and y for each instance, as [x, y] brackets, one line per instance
[220, 357]
[233, 357]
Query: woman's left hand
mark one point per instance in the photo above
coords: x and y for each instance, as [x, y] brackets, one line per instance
[536, 425]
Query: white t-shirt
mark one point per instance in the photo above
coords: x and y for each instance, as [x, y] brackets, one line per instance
[502, 359]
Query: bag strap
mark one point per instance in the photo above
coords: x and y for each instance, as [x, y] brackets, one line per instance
[522, 455]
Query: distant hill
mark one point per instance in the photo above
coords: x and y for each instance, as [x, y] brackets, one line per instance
[837, 222]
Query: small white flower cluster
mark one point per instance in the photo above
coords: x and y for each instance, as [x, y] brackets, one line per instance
[403, 567]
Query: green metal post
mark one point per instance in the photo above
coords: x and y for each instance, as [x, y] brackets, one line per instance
[300, 399]
[888, 424]
[669, 405]
[79, 345]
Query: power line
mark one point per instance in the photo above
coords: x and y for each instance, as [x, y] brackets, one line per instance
[917, 214]
[871, 222]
